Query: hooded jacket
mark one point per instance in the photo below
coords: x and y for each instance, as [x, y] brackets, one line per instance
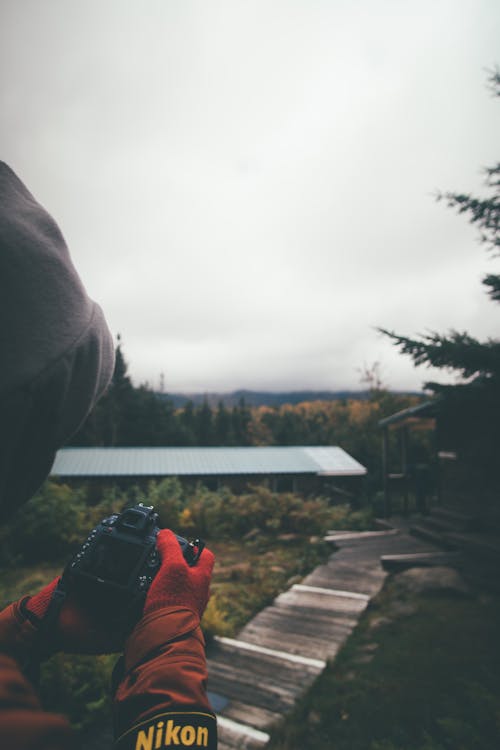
[57, 357]
[56, 351]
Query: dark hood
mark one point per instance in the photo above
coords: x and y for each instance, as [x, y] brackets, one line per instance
[56, 352]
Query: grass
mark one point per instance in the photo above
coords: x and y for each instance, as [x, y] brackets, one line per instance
[418, 673]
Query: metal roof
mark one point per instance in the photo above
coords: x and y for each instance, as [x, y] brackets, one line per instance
[120, 462]
[426, 409]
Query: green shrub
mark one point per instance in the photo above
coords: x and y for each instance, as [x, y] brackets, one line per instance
[57, 518]
[214, 620]
[210, 512]
[224, 515]
[342, 518]
[50, 525]
[167, 497]
[112, 500]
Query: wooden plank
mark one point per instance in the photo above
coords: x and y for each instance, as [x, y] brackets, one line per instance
[259, 680]
[285, 673]
[301, 612]
[366, 583]
[260, 693]
[311, 600]
[330, 592]
[301, 620]
[254, 716]
[234, 734]
[341, 574]
[308, 634]
[437, 538]
[298, 643]
[311, 624]
[393, 563]
[259, 649]
[335, 536]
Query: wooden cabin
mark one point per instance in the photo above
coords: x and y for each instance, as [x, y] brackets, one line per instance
[463, 470]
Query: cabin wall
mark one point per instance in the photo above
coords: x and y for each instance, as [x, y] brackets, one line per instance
[469, 460]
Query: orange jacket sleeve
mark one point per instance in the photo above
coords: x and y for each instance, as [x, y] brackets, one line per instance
[161, 700]
[23, 724]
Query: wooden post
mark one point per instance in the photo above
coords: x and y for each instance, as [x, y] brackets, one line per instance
[385, 472]
[404, 467]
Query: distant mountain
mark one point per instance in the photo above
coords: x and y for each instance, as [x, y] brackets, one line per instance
[265, 398]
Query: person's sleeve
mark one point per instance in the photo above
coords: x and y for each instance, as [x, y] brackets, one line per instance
[161, 700]
[23, 723]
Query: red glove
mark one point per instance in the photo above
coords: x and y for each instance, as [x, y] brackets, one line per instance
[77, 630]
[80, 631]
[176, 583]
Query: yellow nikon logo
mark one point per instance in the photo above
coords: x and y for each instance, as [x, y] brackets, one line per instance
[164, 735]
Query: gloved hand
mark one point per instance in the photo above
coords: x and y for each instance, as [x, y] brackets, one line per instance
[176, 583]
[77, 630]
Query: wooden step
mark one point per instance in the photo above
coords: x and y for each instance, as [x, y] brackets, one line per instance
[268, 683]
[397, 563]
[454, 519]
[311, 633]
[478, 545]
[382, 524]
[256, 717]
[339, 537]
[302, 599]
[366, 579]
[259, 649]
[430, 535]
[436, 523]
[234, 735]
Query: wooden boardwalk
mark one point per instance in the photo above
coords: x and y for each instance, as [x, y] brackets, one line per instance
[256, 678]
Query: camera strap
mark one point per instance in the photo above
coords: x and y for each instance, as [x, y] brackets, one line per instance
[45, 633]
[53, 611]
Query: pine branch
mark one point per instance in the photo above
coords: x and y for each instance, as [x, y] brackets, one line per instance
[493, 282]
[456, 351]
[494, 81]
[485, 213]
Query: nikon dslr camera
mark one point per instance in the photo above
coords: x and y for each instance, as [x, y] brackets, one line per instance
[118, 561]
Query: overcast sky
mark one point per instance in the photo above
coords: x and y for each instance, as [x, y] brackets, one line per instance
[247, 187]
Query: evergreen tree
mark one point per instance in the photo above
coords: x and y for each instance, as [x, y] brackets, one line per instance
[478, 362]
[150, 420]
[240, 420]
[204, 424]
[223, 429]
[187, 425]
[107, 422]
[129, 416]
[120, 397]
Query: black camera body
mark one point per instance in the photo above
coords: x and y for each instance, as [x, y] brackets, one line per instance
[116, 565]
